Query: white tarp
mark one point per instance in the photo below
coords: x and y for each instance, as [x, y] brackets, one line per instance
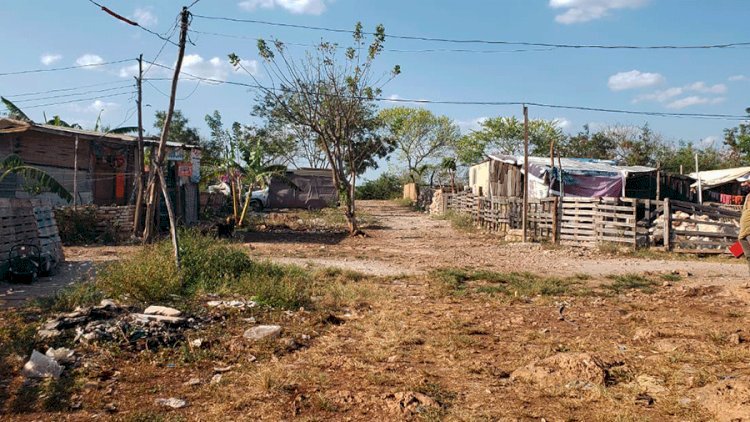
[713, 178]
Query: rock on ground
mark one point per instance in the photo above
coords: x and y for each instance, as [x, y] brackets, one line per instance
[262, 331]
[562, 369]
[174, 403]
[61, 355]
[163, 311]
[41, 366]
[728, 400]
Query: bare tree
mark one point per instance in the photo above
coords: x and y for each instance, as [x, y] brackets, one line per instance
[332, 95]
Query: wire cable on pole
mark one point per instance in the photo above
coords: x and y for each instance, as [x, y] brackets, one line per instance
[74, 94]
[79, 100]
[483, 41]
[51, 91]
[488, 103]
[130, 22]
[55, 69]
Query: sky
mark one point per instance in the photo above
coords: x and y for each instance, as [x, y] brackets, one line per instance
[49, 34]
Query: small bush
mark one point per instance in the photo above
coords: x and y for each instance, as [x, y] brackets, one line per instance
[460, 221]
[76, 226]
[626, 282]
[510, 284]
[387, 186]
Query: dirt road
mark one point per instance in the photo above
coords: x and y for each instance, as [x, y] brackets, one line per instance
[403, 242]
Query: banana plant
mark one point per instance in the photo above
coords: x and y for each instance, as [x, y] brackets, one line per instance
[16, 113]
[13, 164]
[256, 173]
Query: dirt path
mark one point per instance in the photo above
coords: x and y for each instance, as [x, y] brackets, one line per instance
[406, 242]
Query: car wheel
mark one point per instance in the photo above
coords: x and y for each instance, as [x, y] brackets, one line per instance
[256, 206]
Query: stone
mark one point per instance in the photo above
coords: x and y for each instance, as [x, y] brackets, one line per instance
[172, 402]
[162, 310]
[728, 400]
[650, 385]
[197, 343]
[643, 334]
[215, 379]
[193, 382]
[262, 331]
[221, 370]
[571, 369]
[61, 355]
[48, 334]
[144, 318]
[41, 366]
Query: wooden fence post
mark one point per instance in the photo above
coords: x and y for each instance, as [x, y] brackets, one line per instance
[555, 220]
[667, 225]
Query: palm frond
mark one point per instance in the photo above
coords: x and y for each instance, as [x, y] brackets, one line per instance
[11, 161]
[123, 130]
[14, 111]
[42, 178]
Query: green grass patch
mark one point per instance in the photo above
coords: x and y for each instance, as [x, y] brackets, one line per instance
[670, 277]
[507, 284]
[459, 221]
[625, 282]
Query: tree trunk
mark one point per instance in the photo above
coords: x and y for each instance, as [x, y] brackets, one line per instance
[351, 211]
[244, 208]
[172, 221]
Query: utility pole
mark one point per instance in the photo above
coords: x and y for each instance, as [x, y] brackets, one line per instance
[525, 219]
[700, 184]
[158, 161]
[139, 161]
[75, 173]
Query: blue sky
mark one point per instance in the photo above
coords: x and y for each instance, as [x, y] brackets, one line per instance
[47, 34]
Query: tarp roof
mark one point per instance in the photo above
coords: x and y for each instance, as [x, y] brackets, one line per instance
[538, 166]
[713, 178]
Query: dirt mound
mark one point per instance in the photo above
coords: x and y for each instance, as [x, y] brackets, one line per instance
[728, 400]
[563, 369]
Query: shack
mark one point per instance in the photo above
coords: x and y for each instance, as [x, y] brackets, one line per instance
[99, 168]
[502, 175]
[722, 186]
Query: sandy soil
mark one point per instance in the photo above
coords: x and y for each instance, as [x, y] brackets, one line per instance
[413, 348]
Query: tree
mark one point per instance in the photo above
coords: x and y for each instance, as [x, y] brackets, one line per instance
[585, 144]
[13, 164]
[421, 138]
[333, 97]
[255, 171]
[683, 155]
[635, 146]
[180, 130]
[737, 139]
[505, 135]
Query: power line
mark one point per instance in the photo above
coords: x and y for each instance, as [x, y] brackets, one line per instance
[80, 100]
[483, 41]
[55, 69]
[491, 103]
[130, 22]
[169, 38]
[392, 50]
[75, 94]
[27, 94]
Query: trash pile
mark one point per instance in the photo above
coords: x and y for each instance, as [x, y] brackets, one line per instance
[156, 327]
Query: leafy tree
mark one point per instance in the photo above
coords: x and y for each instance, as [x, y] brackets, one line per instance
[333, 97]
[585, 144]
[635, 146]
[386, 186]
[180, 130]
[421, 138]
[255, 172]
[683, 154]
[505, 135]
[737, 139]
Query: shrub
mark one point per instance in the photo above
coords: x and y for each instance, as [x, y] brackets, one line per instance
[387, 186]
[76, 226]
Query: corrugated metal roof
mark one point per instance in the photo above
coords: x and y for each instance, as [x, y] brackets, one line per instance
[542, 164]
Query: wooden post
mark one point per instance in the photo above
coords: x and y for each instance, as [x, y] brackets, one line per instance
[555, 220]
[139, 161]
[698, 176]
[525, 215]
[658, 182]
[667, 224]
[75, 173]
[682, 170]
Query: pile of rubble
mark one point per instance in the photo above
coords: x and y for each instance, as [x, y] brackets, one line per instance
[155, 327]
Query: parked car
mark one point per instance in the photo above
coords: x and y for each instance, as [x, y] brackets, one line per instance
[309, 188]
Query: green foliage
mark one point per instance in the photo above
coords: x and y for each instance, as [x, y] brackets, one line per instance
[625, 282]
[421, 137]
[13, 164]
[683, 154]
[505, 135]
[14, 112]
[508, 284]
[386, 186]
[737, 139]
[77, 226]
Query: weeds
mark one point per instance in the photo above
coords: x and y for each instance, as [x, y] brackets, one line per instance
[670, 277]
[459, 221]
[625, 282]
[509, 284]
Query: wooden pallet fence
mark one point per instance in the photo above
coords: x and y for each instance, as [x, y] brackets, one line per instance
[704, 229]
[577, 221]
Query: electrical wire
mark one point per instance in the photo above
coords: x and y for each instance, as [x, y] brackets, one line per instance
[80, 100]
[55, 69]
[130, 22]
[391, 50]
[483, 41]
[148, 81]
[490, 103]
[75, 94]
[26, 94]
[169, 37]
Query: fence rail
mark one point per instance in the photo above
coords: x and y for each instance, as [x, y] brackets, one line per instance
[673, 225]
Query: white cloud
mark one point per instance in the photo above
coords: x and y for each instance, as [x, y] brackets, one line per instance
[709, 141]
[89, 60]
[634, 79]
[563, 123]
[214, 68]
[694, 100]
[145, 16]
[700, 87]
[467, 126]
[577, 11]
[307, 7]
[48, 59]
[96, 107]
[736, 78]
[131, 71]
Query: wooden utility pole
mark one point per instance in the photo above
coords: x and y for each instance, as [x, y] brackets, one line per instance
[158, 161]
[75, 173]
[700, 184]
[658, 181]
[525, 218]
[139, 161]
